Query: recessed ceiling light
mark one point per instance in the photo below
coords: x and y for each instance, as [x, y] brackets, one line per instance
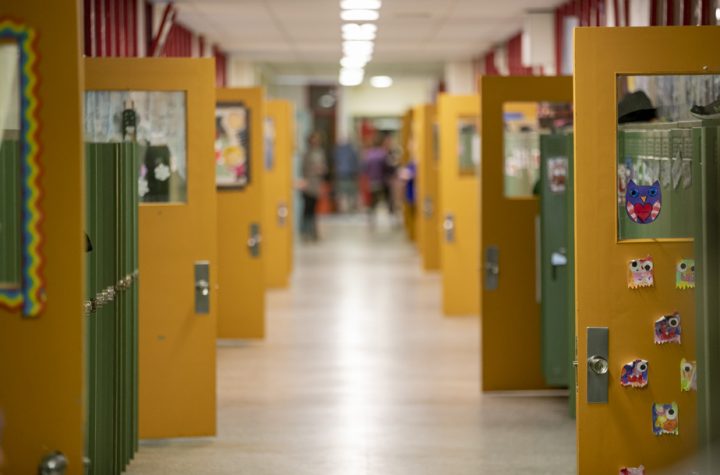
[359, 15]
[381, 81]
[354, 62]
[358, 48]
[351, 77]
[354, 31]
[360, 4]
[717, 14]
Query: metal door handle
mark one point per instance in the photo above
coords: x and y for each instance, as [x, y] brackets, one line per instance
[203, 287]
[254, 240]
[449, 227]
[282, 214]
[492, 269]
[598, 364]
[54, 463]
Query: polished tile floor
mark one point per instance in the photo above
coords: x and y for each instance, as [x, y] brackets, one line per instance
[361, 374]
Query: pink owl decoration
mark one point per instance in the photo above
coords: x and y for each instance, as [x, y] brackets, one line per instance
[640, 273]
[633, 470]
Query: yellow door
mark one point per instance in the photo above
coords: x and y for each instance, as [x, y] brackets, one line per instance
[240, 115]
[510, 302]
[42, 353]
[174, 101]
[635, 215]
[459, 216]
[426, 212]
[277, 186]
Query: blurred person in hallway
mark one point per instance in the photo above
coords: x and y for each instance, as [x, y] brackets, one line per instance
[314, 168]
[379, 169]
[347, 167]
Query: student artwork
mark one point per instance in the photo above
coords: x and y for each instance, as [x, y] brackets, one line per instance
[685, 274]
[665, 419]
[232, 145]
[668, 329]
[635, 374]
[633, 470]
[688, 375]
[640, 273]
[643, 203]
[557, 172]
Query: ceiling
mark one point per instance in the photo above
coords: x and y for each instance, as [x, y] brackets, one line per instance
[304, 35]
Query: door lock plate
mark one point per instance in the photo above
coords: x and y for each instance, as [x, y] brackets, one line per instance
[492, 268]
[449, 227]
[597, 358]
[202, 287]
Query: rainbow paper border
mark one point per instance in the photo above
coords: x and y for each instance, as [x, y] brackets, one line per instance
[31, 295]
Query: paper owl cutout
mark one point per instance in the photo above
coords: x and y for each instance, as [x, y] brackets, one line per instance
[640, 273]
[633, 470]
[668, 329]
[665, 419]
[635, 374]
[643, 203]
[688, 375]
[685, 274]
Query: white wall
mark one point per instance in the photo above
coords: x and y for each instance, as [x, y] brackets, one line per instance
[395, 100]
[460, 77]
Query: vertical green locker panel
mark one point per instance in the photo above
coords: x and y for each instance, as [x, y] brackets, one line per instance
[554, 162]
[10, 194]
[707, 259]
[112, 325]
[571, 337]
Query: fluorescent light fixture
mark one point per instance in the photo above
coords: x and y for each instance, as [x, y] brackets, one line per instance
[351, 77]
[717, 14]
[381, 81]
[354, 62]
[360, 4]
[354, 31]
[358, 48]
[359, 15]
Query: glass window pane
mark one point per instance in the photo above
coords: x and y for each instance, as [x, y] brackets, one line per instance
[665, 125]
[269, 143]
[524, 122]
[10, 196]
[232, 145]
[468, 146]
[156, 122]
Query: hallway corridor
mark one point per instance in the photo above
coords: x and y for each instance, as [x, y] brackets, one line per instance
[361, 374]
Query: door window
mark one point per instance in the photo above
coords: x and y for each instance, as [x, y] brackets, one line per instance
[232, 145]
[156, 122]
[10, 177]
[663, 122]
[524, 122]
[468, 146]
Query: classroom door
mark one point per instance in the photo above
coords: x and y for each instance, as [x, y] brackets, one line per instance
[640, 131]
[239, 153]
[277, 186]
[42, 328]
[427, 186]
[458, 190]
[513, 115]
[166, 106]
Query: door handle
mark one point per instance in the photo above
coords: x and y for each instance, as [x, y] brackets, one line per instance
[254, 240]
[558, 259]
[449, 227]
[202, 287]
[598, 367]
[491, 265]
[54, 463]
[282, 214]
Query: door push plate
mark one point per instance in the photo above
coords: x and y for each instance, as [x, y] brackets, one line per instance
[254, 240]
[492, 267]
[449, 227]
[202, 287]
[282, 214]
[598, 375]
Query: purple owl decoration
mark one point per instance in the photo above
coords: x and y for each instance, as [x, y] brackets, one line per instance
[643, 203]
[668, 329]
[635, 374]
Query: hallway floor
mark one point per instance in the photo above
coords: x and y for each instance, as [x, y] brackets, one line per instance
[361, 374]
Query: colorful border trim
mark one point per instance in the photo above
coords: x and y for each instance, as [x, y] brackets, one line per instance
[31, 295]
